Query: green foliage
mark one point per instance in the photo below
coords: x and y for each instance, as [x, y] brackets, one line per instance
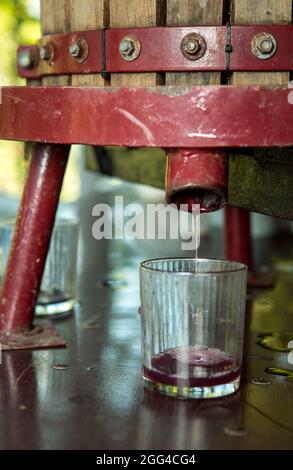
[18, 24]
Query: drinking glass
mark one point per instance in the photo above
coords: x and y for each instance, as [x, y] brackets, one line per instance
[192, 326]
[57, 295]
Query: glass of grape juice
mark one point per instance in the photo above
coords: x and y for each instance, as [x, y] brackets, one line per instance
[192, 326]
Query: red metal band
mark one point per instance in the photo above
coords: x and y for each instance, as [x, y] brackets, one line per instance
[192, 117]
[160, 51]
[63, 62]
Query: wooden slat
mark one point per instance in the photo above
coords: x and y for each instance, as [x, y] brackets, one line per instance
[135, 13]
[85, 16]
[74, 15]
[55, 18]
[261, 12]
[190, 13]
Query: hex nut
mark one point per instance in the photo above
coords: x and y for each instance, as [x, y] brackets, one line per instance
[129, 48]
[193, 46]
[264, 46]
[25, 59]
[79, 50]
[46, 52]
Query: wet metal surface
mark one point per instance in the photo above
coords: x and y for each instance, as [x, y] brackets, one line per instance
[98, 401]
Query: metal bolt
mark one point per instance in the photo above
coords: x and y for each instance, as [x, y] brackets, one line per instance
[75, 50]
[264, 46]
[192, 47]
[25, 59]
[126, 47]
[79, 50]
[129, 48]
[46, 52]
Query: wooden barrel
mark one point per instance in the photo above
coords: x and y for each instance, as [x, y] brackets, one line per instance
[78, 15]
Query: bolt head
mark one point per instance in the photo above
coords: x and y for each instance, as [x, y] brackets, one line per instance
[129, 48]
[126, 47]
[192, 46]
[266, 46]
[25, 59]
[44, 53]
[75, 50]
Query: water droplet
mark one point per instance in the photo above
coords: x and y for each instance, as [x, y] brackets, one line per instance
[276, 342]
[60, 366]
[92, 368]
[260, 381]
[235, 430]
[114, 283]
[279, 371]
[91, 325]
[289, 380]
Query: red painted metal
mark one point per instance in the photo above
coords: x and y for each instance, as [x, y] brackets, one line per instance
[160, 51]
[32, 71]
[243, 59]
[237, 235]
[167, 117]
[197, 176]
[31, 238]
[39, 337]
[63, 62]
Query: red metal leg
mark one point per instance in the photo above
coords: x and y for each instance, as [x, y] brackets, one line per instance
[237, 235]
[32, 237]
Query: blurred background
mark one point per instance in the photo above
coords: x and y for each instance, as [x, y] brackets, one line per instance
[20, 24]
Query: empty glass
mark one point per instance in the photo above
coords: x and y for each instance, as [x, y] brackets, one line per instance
[192, 323]
[58, 288]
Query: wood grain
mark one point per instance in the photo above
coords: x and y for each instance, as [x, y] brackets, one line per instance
[133, 13]
[190, 13]
[85, 16]
[261, 12]
[55, 18]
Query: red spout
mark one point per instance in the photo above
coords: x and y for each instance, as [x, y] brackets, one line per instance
[197, 176]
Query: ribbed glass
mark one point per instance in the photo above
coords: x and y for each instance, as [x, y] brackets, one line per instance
[58, 288]
[192, 321]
